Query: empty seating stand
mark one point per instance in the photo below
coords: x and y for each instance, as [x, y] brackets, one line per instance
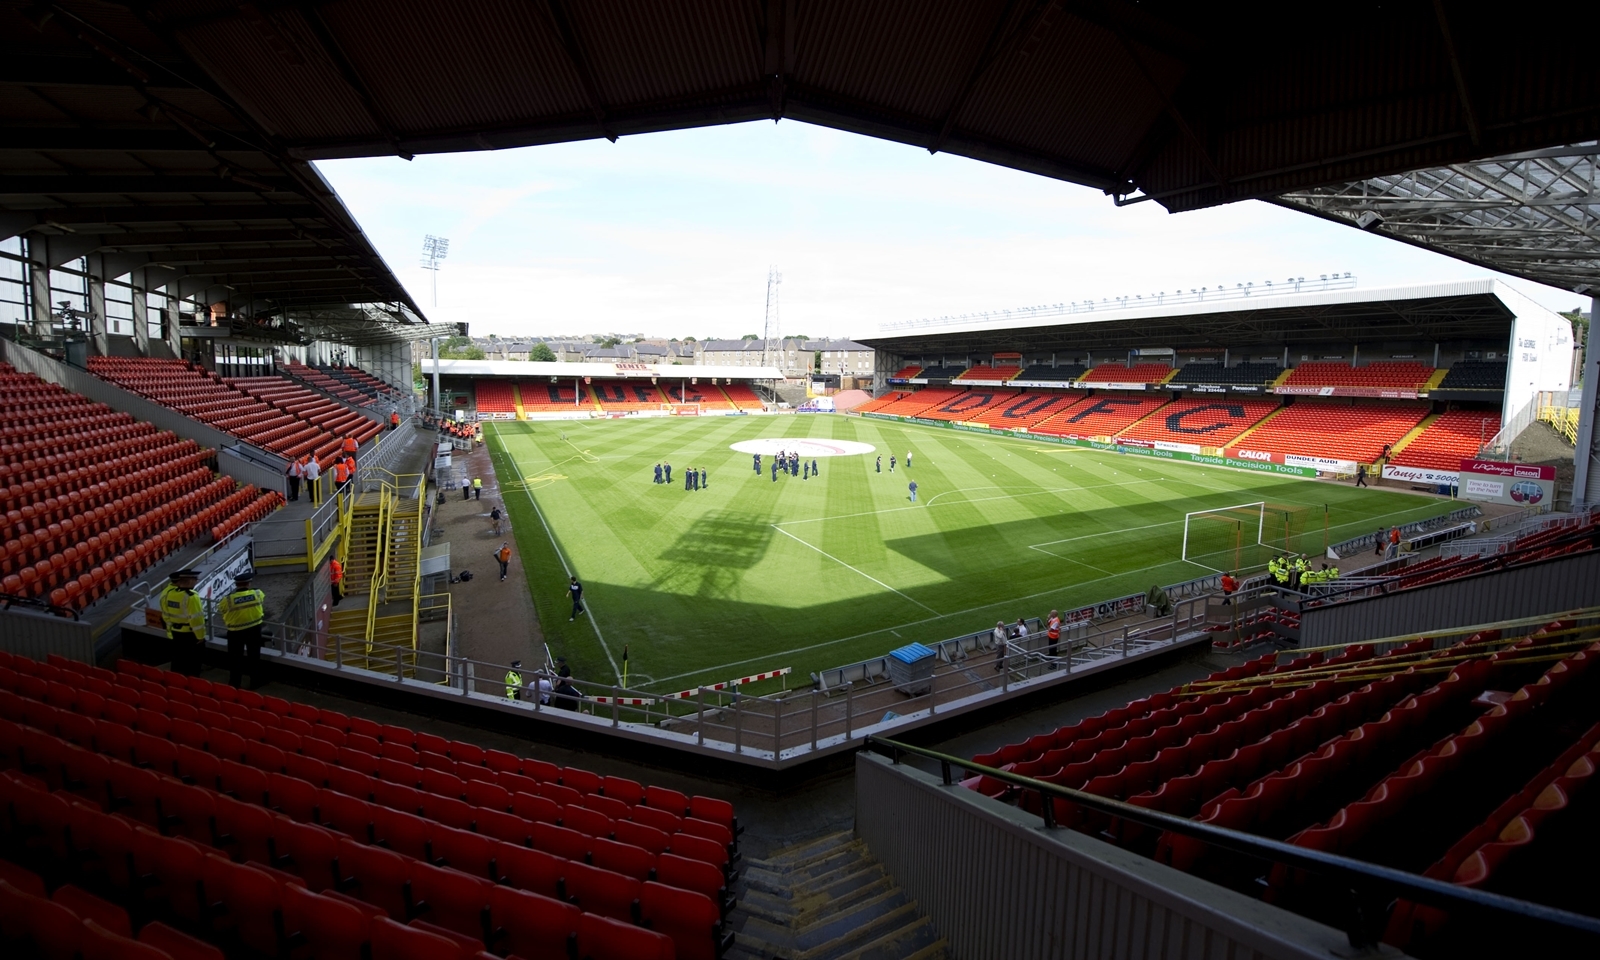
[1342, 431]
[1475, 375]
[203, 396]
[494, 396]
[297, 825]
[1212, 421]
[983, 371]
[743, 397]
[1099, 416]
[1457, 435]
[324, 381]
[1151, 373]
[91, 497]
[1043, 373]
[1389, 375]
[1239, 374]
[306, 404]
[1466, 757]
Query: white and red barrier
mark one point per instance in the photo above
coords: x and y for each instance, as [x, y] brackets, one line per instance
[625, 701]
[727, 684]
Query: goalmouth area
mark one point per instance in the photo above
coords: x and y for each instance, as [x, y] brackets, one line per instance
[756, 572]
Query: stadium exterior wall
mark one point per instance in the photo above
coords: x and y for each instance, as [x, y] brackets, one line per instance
[1547, 587]
[998, 884]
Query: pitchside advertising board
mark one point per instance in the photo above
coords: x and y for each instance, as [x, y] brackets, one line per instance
[1518, 484]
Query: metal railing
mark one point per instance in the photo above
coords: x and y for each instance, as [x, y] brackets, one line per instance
[1371, 886]
[1552, 406]
[1355, 545]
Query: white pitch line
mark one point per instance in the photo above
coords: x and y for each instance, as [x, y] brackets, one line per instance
[559, 556]
[929, 502]
[854, 570]
[912, 623]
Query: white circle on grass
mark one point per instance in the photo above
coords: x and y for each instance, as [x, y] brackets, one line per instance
[805, 447]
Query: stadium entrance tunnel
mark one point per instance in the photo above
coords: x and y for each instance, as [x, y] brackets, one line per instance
[804, 446]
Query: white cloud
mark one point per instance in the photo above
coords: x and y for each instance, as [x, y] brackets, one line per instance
[672, 234]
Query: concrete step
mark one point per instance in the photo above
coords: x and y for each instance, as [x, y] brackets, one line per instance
[810, 908]
[790, 855]
[841, 875]
[861, 927]
[915, 940]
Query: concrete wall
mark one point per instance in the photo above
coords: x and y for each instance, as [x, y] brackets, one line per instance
[33, 633]
[997, 884]
[1562, 583]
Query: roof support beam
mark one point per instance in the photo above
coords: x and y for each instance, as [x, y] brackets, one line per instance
[580, 64]
[352, 77]
[1458, 72]
[997, 44]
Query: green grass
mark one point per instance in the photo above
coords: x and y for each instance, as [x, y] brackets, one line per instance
[750, 575]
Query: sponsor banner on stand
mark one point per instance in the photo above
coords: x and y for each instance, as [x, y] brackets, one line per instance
[1518, 484]
[1420, 475]
[496, 416]
[1380, 393]
[1043, 384]
[978, 383]
[1325, 464]
[1104, 610]
[1247, 388]
[1178, 447]
[1115, 386]
[1202, 387]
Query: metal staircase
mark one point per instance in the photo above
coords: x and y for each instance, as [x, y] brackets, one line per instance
[381, 547]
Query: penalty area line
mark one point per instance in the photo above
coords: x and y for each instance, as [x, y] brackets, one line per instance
[560, 556]
[854, 570]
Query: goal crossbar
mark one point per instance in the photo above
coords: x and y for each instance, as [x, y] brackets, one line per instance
[1254, 513]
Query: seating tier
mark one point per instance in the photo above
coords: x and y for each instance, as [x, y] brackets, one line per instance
[1123, 373]
[1209, 422]
[1400, 375]
[92, 497]
[494, 396]
[1457, 435]
[396, 817]
[1099, 416]
[1356, 432]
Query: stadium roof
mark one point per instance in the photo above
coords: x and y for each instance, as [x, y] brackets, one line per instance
[177, 132]
[537, 369]
[1465, 309]
[1533, 215]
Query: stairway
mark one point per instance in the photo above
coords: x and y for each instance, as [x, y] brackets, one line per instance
[828, 899]
[362, 549]
[404, 550]
[348, 622]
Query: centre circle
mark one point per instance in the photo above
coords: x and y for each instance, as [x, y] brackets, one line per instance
[803, 446]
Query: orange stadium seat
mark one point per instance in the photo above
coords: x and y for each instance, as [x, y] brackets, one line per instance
[1398, 375]
[1354, 431]
[271, 872]
[1455, 436]
[1099, 416]
[1208, 422]
[1122, 373]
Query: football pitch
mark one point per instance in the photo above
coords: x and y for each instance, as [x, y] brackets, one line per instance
[751, 574]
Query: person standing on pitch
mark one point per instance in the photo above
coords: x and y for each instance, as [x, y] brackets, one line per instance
[880, 464]
[514, 681]
[805, 471]
[575, 589]
[666, 471]
[774, 469]
[756, 459]
[703, 479]
[243, 610]
[658, 471]
[1361, 474]
[688, 479]
[891, 463]
[814, 471]
[908, 459]
[184, 614]
[503, 555]
[913, 486]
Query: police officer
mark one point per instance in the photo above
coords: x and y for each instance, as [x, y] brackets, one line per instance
[242, 613]
[514, 681]
[184, 614]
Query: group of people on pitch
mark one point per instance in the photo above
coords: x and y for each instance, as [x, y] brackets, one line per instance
[789, 462]
[695, 478]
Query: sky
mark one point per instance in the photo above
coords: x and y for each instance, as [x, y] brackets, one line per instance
[673, 234]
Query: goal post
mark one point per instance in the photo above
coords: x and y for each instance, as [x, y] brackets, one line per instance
[1244, 535]
[1221, 535]
[681, 409]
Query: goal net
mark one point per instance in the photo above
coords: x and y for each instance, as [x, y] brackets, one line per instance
[681, 409]
[1243, 536]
